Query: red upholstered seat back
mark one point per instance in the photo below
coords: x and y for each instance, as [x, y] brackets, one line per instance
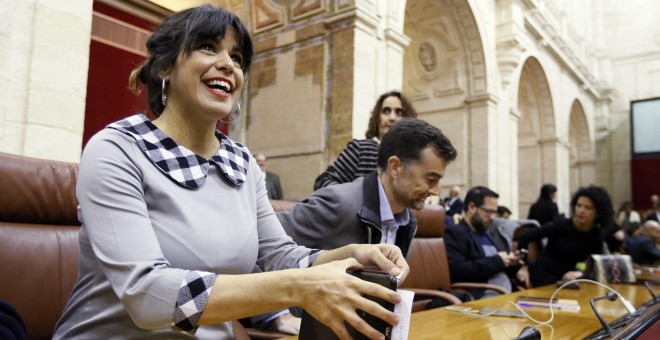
[38, 239]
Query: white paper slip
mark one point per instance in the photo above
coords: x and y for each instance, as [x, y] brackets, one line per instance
[403, 310]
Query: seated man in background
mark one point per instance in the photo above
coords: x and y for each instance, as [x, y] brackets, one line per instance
[644, 247]
[273, 186]
[475, 256]
[374, 209]
[453, 204]
[654, 213]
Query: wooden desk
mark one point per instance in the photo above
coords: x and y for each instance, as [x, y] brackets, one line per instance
[441, 323]
[647, 273]
[445, 324]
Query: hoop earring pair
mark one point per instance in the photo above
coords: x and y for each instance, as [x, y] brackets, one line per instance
[163, 87]
[232, 119]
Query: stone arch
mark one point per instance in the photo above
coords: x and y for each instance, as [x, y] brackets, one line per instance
[445, 76]
[581, 157]
[446, 55]
[538, 145]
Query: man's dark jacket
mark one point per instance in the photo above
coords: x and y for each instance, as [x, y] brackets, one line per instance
[467, 260]
[342, 214]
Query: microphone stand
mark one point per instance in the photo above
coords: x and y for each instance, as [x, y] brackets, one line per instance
[648, 287]
[609, 296]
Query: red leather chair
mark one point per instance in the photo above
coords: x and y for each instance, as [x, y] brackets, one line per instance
[39, 239]
[429, 268]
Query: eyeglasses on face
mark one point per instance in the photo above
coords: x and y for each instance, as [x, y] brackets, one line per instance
[490, 212]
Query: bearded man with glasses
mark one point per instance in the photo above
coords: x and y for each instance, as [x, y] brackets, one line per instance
[473, 254]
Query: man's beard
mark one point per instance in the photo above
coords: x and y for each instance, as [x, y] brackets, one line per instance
[416, 203]
[413, 203]
[478, 224]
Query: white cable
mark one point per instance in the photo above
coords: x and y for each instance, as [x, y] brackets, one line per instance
[625, 302]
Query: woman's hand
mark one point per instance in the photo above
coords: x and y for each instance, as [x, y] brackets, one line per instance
[572, 275]
[523, 276]
[385, 257]
[332, 296]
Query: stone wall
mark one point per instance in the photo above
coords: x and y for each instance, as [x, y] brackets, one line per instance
[44, 48]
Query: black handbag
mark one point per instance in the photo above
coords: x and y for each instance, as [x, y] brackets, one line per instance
[312, 329]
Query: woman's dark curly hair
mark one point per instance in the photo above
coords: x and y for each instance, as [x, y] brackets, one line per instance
[601, 201]
[181, 33]
[374, 119]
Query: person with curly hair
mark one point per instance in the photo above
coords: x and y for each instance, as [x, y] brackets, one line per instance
[360, 156]
[570, 240]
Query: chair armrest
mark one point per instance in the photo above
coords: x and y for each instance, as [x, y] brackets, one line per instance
[424, 296]
[258, 334]
[430, 293]
[472, 285]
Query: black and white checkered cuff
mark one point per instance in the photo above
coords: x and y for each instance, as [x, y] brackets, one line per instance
[308, 260]
[193, 296]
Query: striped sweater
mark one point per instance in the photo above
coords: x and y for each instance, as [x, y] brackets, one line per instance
[359, 158]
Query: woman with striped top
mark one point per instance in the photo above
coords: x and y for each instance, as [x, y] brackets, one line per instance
[360, 155]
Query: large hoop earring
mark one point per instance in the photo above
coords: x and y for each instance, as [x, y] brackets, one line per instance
[163, 87]
[232, 119]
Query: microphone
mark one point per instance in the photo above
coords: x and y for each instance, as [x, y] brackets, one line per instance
[648, 287]
[529, 333]
[610, 296]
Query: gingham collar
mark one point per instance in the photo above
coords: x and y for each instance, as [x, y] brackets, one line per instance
[178, 163]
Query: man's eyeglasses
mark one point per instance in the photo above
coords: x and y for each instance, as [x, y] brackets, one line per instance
[490, 212]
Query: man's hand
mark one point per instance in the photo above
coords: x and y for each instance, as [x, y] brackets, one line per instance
[572, 275]
[509, 259]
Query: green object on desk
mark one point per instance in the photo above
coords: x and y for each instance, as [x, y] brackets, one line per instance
[581, 266]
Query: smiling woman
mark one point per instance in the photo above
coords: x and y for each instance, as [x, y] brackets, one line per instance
[175, 215]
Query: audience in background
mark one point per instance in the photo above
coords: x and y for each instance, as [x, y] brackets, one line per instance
[570, 240]
[545, 209]
[453, 203]
[654, 213]
[627, 218]
[435, 200]
[503, 212]
[360, 155]
[273, 186]
[644, 246]
[475, 256]
[614, 238]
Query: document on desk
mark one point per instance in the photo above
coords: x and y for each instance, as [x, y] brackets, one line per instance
[403, 310]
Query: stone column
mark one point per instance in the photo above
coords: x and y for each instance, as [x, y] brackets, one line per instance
[367, 45]
[482, 111]
[44, 48]
[318, 69]
[555, 168]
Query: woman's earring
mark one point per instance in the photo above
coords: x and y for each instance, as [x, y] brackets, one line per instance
[232, 119]
[163, 87]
